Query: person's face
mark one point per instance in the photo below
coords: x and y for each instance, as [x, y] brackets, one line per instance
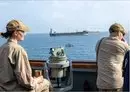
[20, 35]
[121, 35]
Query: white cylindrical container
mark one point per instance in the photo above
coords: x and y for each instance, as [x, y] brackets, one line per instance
[57, 73]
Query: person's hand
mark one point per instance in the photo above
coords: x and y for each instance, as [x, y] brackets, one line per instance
[37, 73]
[123, 39]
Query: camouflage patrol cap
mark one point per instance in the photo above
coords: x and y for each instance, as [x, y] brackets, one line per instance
[16, 25]
[117, 28]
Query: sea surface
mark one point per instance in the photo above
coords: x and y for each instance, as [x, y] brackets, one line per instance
[82, 47]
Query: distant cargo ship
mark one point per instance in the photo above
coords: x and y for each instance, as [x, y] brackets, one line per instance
[53, 33]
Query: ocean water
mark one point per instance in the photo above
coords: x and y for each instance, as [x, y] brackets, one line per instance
[83, 47]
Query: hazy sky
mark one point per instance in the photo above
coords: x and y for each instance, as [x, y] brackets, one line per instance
[66, 15]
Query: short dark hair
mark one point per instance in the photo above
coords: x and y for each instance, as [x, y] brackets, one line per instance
[7, 34]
